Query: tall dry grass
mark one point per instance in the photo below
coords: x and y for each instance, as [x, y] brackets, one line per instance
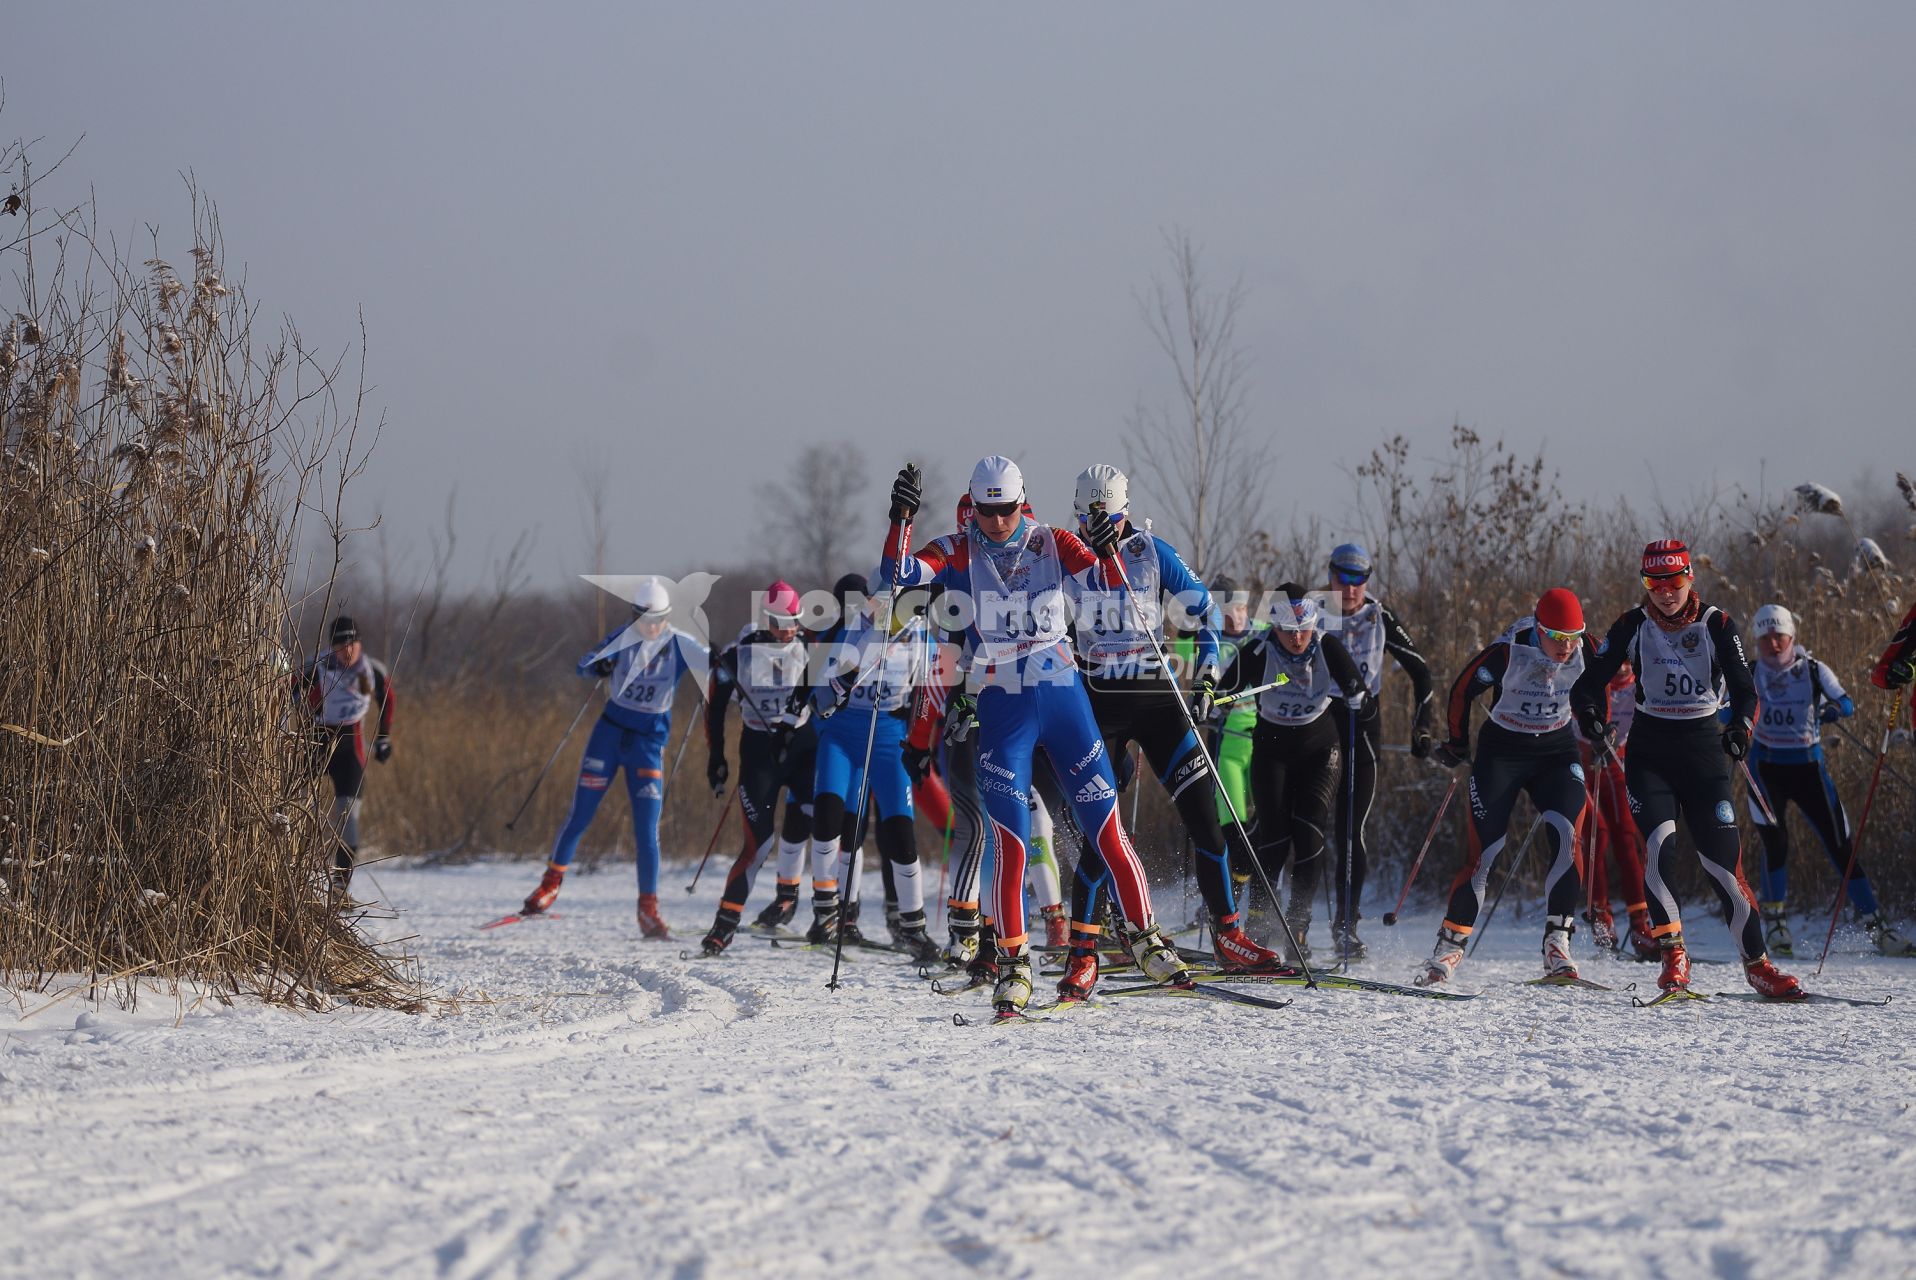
[158, 810]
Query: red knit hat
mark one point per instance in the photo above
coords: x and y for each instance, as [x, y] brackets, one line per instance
[1665, 558]
[1559, 610]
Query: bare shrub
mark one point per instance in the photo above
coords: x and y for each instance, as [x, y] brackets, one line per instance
[157, 807]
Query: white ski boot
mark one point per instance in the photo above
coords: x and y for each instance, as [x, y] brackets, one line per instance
[1013, 992]
[1157, 959]
[1887, 939]
[1557, 963]
[1444, 960]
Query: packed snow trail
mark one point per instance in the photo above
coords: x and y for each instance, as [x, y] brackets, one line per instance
[596, 1106]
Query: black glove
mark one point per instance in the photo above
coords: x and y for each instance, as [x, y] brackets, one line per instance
[1736, 740]
[961, 719]
[604, 666]
[1420, 741]
[1101, 534]
[1899, 674]
[1203, 698]
[907, 493]
[383, 748]
[1125, 768]
[1453, 754]
[1593, 725]
[918, 762]
[716, 772]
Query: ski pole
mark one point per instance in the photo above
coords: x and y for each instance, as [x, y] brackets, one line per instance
[1894, 774]
[864, 777]
[1390, 917]
[1842, 890]
[1227, 699]
[1509, 873]
[1756, 792]
[692, 724]
[725, 811]
[1350, 831]
[1237, 819]
[520, 811]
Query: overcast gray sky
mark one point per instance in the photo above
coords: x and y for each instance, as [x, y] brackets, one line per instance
[684, 240]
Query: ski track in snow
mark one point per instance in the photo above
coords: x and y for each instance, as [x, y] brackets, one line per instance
[597, 1106]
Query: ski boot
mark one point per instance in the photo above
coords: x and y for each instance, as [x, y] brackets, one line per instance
[848, 928]
[1642, 941]
[1603, 929]
[1157, 959]
[1013, 991]
[541, 898]
[894, 919]
[1556, 947]
[1236, 952]
[338, 880]
[824, 926]
[1776, 930]
[651, 923]
[1057, 925]
[1887, 939]
[1299, 919]
[782, 909]
[1444, 960]
[719, 938]
[1676, 963]
[1771, 982]
[983, 966]
[1114, 927]
[910, 937]
[1080, 966]
[1345, 942]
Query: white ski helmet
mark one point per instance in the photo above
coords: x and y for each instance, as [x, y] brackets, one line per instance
[996, 480]
[1105, 485]
[1773, 620]
[651, 601]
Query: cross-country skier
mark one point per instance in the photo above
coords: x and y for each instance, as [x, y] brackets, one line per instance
[339, 687]
[644, 662]
[1798, 696]
[1370, 631]
[1527, 747]
[1231, 727]
[765, 669]
[1611, 832]
[1012, 573]
[1897, 667]
[1689, 661]
[1295, 753]
[1118, 633]
[869, 675]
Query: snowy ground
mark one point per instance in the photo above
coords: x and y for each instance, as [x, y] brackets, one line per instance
[598, 1106]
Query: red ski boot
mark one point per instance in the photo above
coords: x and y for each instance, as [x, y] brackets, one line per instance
[1642, 941]
[1676, 964]
[1057, 925]
[1771, 982]
[1237, 953]
[1603, 928]
[651, 923]
[1080, 974]
[541, 898]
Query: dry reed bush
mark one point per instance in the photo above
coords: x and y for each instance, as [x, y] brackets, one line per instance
[158, 811]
